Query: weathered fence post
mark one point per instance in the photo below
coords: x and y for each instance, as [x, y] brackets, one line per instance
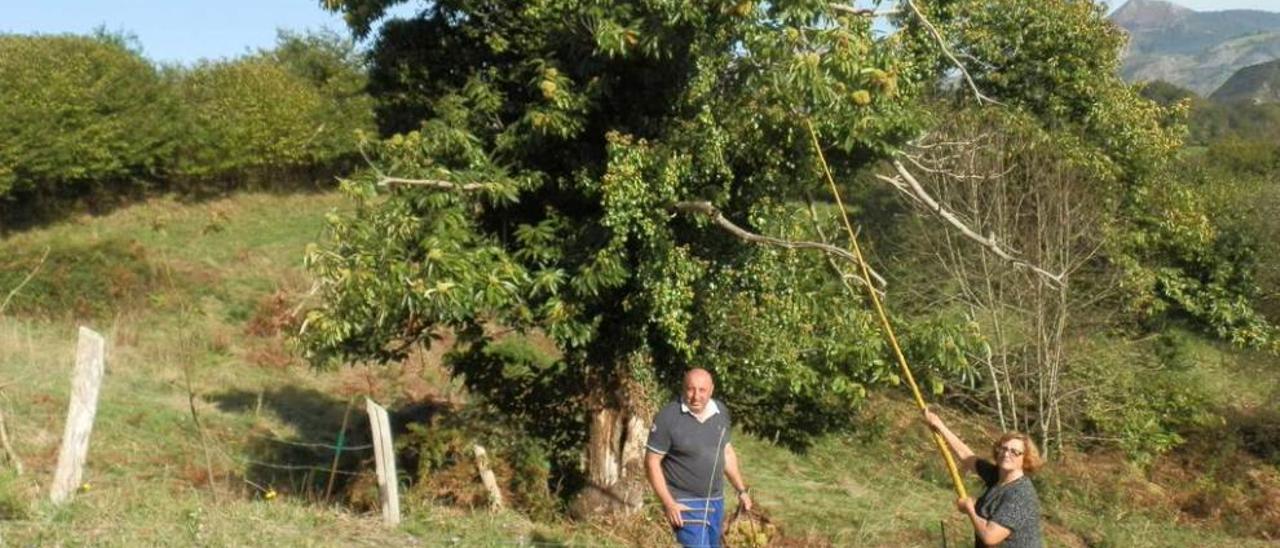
[384, 454]
[90, 362]
[487, 479]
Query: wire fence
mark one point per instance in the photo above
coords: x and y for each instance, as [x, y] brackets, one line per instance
[298, 467]
[338, 447]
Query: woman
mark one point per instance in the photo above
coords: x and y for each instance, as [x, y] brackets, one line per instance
[1008, 513]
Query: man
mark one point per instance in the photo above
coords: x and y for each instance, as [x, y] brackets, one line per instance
[688, 451]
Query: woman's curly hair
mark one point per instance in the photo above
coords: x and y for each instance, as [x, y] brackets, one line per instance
[1031, 460]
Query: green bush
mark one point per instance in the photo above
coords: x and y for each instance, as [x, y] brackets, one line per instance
[88, 115]
[244, 115]
[1145, 404]
[333, 67]
[298, 106]
[78, 110]
[1241, 156]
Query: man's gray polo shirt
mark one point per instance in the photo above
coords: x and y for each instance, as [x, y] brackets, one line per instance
[693, 452]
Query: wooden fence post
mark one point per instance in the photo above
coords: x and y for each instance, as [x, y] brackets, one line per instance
[487, 479]
[90, 362]
[384, 454]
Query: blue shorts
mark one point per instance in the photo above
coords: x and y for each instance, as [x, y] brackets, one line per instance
[702, 522]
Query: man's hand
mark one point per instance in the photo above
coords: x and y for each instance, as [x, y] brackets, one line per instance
[744, 499]
[673, 514]
[965, 506]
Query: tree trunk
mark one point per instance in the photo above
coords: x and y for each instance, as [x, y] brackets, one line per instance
[615, 458]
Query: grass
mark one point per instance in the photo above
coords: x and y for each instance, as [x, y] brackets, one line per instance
[217, 267]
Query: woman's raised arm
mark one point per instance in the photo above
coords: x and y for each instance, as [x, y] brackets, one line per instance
[965, 455]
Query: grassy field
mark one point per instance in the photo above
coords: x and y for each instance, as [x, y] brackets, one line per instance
[189, 297]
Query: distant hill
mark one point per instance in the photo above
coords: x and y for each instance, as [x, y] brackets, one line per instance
[1195, 50]
[1255, 84]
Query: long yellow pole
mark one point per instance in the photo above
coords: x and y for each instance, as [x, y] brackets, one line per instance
[884, 318]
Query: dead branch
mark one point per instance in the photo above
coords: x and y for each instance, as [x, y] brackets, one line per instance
[942, 43]
[906, 182]
[315, 286]
[4, 305]
[920, 163]
[431, 183]
[817, 227]
[861, 12]
[708, 210]
[386, 180]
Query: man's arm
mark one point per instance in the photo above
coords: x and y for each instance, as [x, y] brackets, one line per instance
[732, 472]
[653, 469]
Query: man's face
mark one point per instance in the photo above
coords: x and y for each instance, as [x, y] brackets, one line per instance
[697, 390]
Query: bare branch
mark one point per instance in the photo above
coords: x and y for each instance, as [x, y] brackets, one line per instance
[383, 180]
[942, 43]
[906, 182]
[315, 286]
[920, 163]
[938, 144]
[386, 180]
[705, 208]
[817, 227]
[4, 305]
[862, 12]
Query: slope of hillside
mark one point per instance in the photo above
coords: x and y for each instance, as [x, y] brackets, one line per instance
[1196, 50]
[204, 340]
[1255, 84]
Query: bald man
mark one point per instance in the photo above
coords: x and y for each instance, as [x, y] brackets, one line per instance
[688, 453]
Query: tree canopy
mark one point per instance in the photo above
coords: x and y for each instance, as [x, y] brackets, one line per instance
[536, 156]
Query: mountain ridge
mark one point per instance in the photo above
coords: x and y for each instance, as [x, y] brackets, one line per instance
[1193, 49]
[1258, 83]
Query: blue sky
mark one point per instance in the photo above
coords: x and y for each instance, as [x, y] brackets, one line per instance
[174, 30]
[188, 30]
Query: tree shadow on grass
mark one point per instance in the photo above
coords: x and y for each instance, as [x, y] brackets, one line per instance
[303, 463]
[27, 210]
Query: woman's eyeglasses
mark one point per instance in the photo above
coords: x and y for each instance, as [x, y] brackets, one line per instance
[1002, 450]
